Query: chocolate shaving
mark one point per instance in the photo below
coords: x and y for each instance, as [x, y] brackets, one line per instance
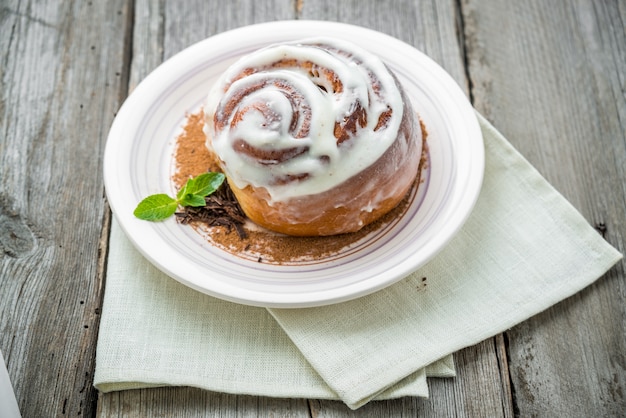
[221, 209]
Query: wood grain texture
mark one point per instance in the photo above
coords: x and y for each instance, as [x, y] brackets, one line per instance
[183, 402]
[160, 30]
[552, 80]
[192, 21]
[431, 27]
[61, 85]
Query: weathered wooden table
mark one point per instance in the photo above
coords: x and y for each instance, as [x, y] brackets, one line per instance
[551, 76]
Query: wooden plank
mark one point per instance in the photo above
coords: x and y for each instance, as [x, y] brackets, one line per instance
[186, 402]
[552, 80]
[61, 84]
[192, 21]
[161, 29]
[428, 26]
[432, 28]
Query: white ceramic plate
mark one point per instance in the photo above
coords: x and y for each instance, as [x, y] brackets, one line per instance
[138, 160]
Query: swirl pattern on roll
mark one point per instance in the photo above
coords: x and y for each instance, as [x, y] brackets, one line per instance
[301, 118]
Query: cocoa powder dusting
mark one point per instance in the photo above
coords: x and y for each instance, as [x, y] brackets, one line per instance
[247, 240]
[191, 156]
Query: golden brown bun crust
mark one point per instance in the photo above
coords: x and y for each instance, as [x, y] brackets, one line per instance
[346, 207]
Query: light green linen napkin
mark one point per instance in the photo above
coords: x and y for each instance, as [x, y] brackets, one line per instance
[155, 331]
[523, 249]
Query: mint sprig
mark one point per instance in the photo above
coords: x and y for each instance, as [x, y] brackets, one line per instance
[160, 206]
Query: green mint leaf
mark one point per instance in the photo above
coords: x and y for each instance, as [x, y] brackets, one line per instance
[161, 206]
[185, 190]
[182, 192]
[192, 200]
[156, 207]
[204, 184]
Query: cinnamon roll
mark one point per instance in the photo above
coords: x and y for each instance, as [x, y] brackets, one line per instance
[316, 137]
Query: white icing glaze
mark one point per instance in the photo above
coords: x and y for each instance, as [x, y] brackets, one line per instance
[326, 162]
